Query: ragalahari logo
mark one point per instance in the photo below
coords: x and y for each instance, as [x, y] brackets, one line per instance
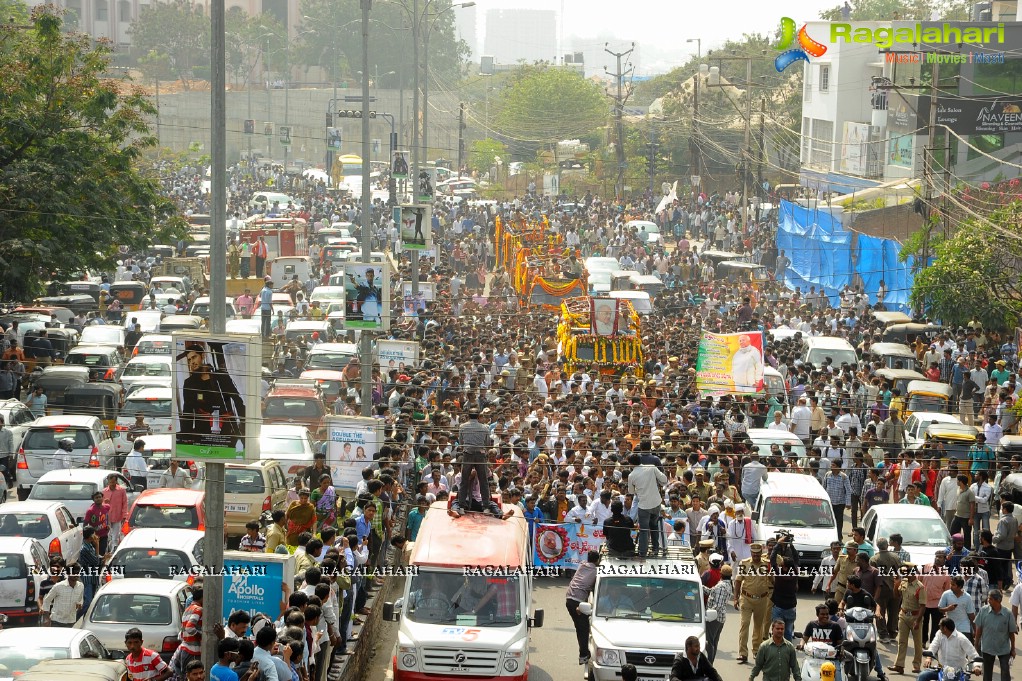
[807, 46]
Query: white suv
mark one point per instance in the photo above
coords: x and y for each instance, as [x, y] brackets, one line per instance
[93, 446]
[155, 406]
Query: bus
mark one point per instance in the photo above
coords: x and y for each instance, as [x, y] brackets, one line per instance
[457, 562]
[347, 169]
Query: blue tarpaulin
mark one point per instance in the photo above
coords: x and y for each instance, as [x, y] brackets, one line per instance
[826, 255]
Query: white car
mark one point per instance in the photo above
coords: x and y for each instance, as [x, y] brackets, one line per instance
[151, 369]
[147, 320]
[200, 308]
[153, 605]
[74, 488]
[23, 567]
[168, 284]
[21, 649]
[649, 232]
[17, 419]
[154, 344]
[103, 334]
[335, 356]
[917, 423]
[922, 531]
[292, 446]
[765, 437]
[249, 326]
[93, 447]
[48, 522]
[154, 404]
[159, 553]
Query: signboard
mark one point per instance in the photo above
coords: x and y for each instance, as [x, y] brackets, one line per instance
[730, 363]
[366, 296]
[333, 138]
[216, 386]
[854, 145]
[399, 165]
[981, 116]
[268, 128]
[565, 545]
[352, 444]
[424, 188]
[252, 582]
[902, 120]
[396, 354]
[413, 305]
[415, 227]
[249, 126]
[285, 135]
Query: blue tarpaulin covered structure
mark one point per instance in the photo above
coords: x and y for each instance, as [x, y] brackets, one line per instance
[826, 255]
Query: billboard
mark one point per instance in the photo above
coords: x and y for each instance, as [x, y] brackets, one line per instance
[215, 409]
[413, 305]
[854, 145]
[903, 116]
[415, 227]
[565, 545]
[397, 354]
[399, 165]
[252, 582]
[366, 296]
[353, 442]
[981, 115]
[730, 363]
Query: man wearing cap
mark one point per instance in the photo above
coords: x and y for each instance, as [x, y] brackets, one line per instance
[843, 569]
[702, 557]
[913, 606]
[474, 439]
[753, 585]
[266, 306]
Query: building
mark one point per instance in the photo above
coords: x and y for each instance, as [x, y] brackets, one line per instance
[514, 35]
[865, 114]
[465, 26]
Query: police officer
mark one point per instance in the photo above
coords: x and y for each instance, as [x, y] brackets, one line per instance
[843, 569]
[753, 585]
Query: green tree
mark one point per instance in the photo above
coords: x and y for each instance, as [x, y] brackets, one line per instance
[906, 10]
[177, 29]
[70, 142]
[482, 154]
[14, 11]
[542, 105]
[974, 273]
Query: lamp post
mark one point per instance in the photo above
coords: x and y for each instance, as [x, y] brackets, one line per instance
[693, 143]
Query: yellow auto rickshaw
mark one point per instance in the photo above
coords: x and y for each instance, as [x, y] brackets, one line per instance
[131, 294]
[927, 396]
[102, 400]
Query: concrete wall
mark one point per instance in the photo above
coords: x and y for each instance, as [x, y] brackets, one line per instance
[184, 119]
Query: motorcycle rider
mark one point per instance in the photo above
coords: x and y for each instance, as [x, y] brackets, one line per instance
[824, 630]
[952, 649]
[857, 597]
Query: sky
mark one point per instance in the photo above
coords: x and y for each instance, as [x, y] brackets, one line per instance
[662, 26]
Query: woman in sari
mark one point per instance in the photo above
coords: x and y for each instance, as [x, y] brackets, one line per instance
[301, 517]
[325, 500]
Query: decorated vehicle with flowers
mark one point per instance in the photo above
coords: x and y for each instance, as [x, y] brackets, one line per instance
[604, 333]
[543, 270]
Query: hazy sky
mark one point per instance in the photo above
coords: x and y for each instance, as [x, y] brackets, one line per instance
[666, 24]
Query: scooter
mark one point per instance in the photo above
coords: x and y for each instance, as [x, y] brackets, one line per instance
[945, 673]
[860, 646]
[816, 653]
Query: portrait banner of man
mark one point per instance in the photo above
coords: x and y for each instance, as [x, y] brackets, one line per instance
[415, 228]
[366, 296]
[730, 363]
[603, 315]
[216, 405]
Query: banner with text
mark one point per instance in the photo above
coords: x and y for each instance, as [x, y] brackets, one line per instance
[565, 546]
[353, 443]
[730, 363]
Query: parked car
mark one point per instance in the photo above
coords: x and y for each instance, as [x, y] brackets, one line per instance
[93, 447]
[154, 344]
[77, 670]
[23, 567]
[22, 649]
[102, 361]
[200, 308]
[49, 522]
[74, 488]
[167, 508]
[292, 446]
[17, 419]
[154, 404]
[103, 334]
[295, 403]
[918, 422]
[249, 491]
[158, 553]
[332, 356]
[921, 528]
[154, 606]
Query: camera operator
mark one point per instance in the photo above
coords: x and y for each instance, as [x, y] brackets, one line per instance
[784, 567]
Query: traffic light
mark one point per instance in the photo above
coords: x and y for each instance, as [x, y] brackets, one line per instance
[354, 113]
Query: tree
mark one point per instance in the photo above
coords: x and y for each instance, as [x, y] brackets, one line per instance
[482, 154]
[906, 10]
[70, 141]
[542, 105]
[177, 29]
[974, 273]
[14, 11]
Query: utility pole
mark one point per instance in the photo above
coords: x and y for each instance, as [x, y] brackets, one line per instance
[762, 152]
[653, 147]
[931, 141]
[693, 137]
[461, 137]
[619, 105]
[415, 136]
[365, 339]
[213, 588]
[745, 150]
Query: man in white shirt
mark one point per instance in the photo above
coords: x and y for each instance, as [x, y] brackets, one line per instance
[599, 511]
[754, 474]
[947, 494]
[951, 648]
[801, 420]
[778, 423]
[539, 384]
[645, 482]
[993, 431]
[135, 465]
[176, 477]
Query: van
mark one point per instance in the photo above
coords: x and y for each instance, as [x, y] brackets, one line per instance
[796, 503]
[774, 384]
[817, 349]
[284, 268]
[250, 489]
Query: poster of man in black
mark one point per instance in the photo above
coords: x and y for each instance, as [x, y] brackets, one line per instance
[212, 409]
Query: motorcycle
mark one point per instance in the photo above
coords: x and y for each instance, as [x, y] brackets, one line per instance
[860, 646]
[816, 653]
[945, 673]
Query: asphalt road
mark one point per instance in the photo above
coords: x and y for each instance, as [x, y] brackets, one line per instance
[554, 651]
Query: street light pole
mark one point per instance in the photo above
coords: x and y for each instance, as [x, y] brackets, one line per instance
[365, 340]
[415, 135]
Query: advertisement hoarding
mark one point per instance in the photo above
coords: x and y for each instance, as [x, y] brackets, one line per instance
[366, 296]
[730, 363]
[415, 227]
[352, 444]
[397, 354]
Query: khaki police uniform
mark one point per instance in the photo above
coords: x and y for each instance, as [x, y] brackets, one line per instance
[753, 586]
[843, 569]
[913, 600]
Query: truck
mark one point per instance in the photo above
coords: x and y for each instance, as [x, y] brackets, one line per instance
[465, 608]
[642, 613]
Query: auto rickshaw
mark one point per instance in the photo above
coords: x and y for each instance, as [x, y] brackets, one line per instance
[900, 378]
[102, 400]
[62, 340]
[88, 288]
[55, 381]
[906, 333]
[927, 396]
[742, 272]
[131, 294]
[77, 302]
